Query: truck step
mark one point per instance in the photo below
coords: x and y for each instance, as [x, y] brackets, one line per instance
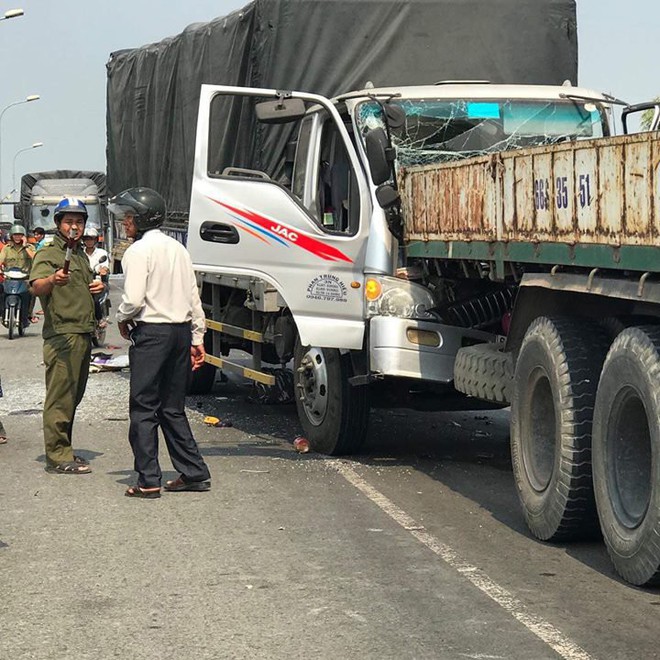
[246, 372]
[484, 371]
[235, 331]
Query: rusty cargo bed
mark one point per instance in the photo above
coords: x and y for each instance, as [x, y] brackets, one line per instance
[591, 203]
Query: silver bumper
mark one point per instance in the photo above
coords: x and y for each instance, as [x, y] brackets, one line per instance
[394, 348]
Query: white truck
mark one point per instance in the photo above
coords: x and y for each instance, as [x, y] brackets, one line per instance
[469, 241]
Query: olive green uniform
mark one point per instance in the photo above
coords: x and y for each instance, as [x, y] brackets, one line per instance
[68, 323]
[17, 256]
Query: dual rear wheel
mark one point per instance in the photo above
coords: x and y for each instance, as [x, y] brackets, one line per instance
[585, 439]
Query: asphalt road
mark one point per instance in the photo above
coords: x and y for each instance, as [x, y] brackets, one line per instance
[414, 549]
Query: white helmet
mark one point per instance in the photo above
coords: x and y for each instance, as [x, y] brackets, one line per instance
[90, 232]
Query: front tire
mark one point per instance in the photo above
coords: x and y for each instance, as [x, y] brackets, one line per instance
[12, 322]
[334, 414]
[626, 454]
[98, 338]
[554, 390]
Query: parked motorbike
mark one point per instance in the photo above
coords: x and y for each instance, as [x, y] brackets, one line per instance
[101, 306]
[15, 288]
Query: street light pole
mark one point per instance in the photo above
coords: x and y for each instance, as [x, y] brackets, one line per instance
[36, 145]
[32, 97]
[11, 13]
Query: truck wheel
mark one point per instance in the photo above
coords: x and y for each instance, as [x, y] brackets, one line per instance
[484, 371]
[626, 454]
[334, 414]
[12, 322]
[554, 389]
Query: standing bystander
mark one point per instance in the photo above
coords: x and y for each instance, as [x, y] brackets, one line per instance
[161, 314]
[65, 291]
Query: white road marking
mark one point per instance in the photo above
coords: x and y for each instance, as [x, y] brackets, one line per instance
[544, 630]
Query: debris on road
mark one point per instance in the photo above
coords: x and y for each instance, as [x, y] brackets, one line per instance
[209, 420]
[301, 445]
[108, 362]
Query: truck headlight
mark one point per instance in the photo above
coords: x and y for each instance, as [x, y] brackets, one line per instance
[390, 296]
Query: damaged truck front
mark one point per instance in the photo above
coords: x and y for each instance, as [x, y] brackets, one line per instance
[412, 256]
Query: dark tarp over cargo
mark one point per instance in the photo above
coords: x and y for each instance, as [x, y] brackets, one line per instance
[322, 46]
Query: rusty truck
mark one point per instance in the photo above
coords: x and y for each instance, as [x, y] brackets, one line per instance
[483, 244]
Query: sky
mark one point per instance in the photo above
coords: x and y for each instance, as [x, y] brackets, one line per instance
[59, 50]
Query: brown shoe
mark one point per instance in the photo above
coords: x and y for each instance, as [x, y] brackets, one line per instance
[143, 493]
[179, 485]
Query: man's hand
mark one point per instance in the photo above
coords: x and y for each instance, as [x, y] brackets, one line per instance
[60, 278]
[96, 286]
[125, 328]
[197, 355]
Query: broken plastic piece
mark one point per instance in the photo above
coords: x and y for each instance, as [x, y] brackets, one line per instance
[301, 445]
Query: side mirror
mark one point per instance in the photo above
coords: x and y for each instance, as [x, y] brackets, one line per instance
[18, 213]
[290, 151]
[387, 196]
[380, 155]
[654, 123]
[396, 116]
[280, 111]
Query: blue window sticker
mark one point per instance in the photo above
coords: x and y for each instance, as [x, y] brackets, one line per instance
[483, 110]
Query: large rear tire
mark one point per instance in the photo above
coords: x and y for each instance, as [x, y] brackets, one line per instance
[626, 454]
[12, 322]
[554, 390]
[333, 413]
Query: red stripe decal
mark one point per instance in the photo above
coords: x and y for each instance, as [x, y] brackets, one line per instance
[316, 247]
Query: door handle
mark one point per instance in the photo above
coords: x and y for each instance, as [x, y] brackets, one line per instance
[216, 232]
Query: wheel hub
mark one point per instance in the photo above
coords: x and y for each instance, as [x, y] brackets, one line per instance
[312, 385]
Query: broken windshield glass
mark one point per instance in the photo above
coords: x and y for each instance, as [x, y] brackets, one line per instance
[444, 130]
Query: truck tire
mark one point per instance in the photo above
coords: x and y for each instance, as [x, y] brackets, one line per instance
[484, 371]
[554, 390]
[333, 413]
[626, 454]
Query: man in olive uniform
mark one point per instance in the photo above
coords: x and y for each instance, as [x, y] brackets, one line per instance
[18, 253]
[66, 298]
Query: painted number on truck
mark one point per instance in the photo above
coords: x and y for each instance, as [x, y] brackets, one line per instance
[585, 190]
[541, 194]
[562, 192]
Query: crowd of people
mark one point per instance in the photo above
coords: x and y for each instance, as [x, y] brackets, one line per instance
[160, 314]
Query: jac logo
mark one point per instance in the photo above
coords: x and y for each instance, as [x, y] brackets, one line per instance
[286, 233]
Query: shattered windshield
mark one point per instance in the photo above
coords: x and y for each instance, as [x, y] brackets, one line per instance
[443, 130]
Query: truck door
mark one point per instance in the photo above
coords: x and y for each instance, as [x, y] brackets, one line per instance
[308, 242]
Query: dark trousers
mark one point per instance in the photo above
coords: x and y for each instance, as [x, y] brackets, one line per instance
[160, 365]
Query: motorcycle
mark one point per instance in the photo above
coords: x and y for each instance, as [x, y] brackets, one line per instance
[15, 288]
[101, 306]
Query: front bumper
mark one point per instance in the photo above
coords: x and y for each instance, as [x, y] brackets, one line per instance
[395, 348]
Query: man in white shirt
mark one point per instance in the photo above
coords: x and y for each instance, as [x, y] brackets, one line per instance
[161, 314]
[94, 253]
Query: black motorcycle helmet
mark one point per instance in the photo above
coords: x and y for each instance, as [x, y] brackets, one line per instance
[145, 205]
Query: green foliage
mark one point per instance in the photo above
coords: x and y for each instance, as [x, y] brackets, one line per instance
[647, 117]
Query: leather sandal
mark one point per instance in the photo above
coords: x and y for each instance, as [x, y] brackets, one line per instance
[142, 493]
[70, 467]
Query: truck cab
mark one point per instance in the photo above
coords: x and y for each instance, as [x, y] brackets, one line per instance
[316, 265]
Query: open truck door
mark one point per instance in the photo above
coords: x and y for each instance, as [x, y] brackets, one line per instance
[308, 241]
